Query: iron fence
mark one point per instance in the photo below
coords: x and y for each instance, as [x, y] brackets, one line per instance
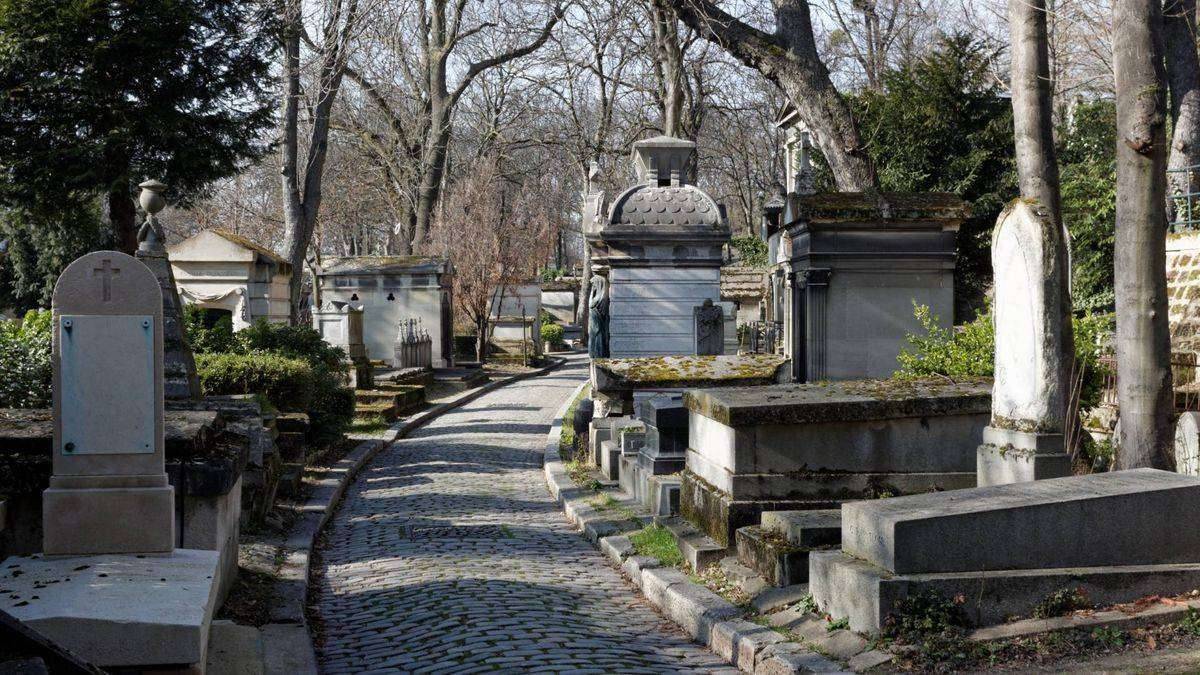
[1186, 204]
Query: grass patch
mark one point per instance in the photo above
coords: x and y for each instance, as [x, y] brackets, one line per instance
[371, 425]
[605, 502]
[572, 449]
[567, 441]
[656, 541]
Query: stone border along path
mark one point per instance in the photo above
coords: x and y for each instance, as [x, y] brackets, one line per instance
[288, 636]
[707, 617]
[447, 555]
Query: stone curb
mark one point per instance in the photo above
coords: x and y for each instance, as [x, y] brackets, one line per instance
[708, 618]
[295, 572]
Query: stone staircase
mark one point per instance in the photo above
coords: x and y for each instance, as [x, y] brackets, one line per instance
[387, 401]
[777, 549]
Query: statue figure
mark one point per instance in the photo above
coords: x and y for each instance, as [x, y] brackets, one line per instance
[598, 318]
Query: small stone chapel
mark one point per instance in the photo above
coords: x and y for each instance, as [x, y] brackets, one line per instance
[220, 270]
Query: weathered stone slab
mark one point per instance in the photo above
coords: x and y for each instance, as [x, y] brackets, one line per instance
[117, 610]
[1117, 518]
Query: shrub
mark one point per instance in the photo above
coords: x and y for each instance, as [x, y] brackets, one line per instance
[751, 250]
[552, 335]
[968, 350]
[25, 367]
[208, 331]
[298, 342]
[288, 383]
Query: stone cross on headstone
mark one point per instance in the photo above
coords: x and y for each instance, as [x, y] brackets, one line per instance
[109, 491]
[1025, 439]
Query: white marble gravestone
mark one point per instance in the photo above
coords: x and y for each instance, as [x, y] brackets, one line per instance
[109, 491]
[1032, 368]
[1187, 444]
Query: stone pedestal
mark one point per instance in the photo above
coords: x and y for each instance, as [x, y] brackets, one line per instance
[1008, 456]
[665, 450]
[341, 325]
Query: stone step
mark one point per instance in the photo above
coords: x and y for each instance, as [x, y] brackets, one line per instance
[292, 445]
[746, 578]
[292, 421]
[291, 477]
[808, 529]
[372, 411]
[772, 598]
[771, 556]
[850, 588]
[698, 549]
[376, 396]
[1117, 518]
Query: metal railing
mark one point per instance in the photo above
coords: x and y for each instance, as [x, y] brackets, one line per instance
[1186, 204]
[761, 337]
[414, 347]
[1183, 376]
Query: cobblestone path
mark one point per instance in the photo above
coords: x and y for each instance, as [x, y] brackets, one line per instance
[448, 555]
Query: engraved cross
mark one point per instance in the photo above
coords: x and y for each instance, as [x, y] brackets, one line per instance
[106, 270]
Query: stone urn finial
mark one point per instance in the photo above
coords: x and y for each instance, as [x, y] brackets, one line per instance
[150, 235]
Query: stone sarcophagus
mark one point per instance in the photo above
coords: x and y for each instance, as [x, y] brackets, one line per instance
[813, 446]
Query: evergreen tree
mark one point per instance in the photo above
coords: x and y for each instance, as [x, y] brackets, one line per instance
[97, 95]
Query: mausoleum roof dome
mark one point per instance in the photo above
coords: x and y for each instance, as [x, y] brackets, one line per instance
[677, 206]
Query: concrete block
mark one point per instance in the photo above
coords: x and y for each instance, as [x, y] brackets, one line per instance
[1116, 518]
[810, 529]
[789, 658]
[82, 521]
[997, 465]
[610, 459]
[656, 581]
[118, 610]
[696, 609]
[739, 642]
[617, 548]
[777, 561]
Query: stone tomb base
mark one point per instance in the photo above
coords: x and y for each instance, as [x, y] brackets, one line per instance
[118, 610]
[1009, 456]
[1005, 548]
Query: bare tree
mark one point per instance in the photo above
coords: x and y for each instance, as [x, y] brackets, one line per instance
[1033, 123]
[1142, 342]
[788, 57]
[875, 34]
[443, 30]
[301, 184]
[1183, 78]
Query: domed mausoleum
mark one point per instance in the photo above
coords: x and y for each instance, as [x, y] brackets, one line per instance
[659, 246]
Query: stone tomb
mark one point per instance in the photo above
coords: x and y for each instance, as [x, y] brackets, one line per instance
[660, 244]
[850, 266]
[515, 322]
[391, 290]
[806, 446]
[109, 511]
[1007, 547]
[220, 270]
[1024, 440]
[341, 325]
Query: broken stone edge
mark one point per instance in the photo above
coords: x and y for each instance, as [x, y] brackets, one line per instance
[298, 544]
[706, 617]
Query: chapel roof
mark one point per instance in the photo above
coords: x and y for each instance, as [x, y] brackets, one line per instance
[381, 264]
[252, 245]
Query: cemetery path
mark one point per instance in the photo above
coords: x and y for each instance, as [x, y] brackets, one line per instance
[449, 555]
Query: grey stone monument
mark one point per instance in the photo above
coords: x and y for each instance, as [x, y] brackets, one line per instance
[709, 328]
[179, 365]
[1025, 439]
[341, 325]
[109, 491]
[1187, 444]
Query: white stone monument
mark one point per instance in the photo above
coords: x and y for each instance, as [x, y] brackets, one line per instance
[111, 586]
[341, 325]
[515, 318]
[1187, 444]
[216, 269]
[109, 492]
[1025, 440]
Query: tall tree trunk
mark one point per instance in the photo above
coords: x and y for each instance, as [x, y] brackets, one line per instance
[121, 216]
[1033, 126]
[1183, 73]
[294, 217]
[788, 57]
[1143, 346]
[670, 65]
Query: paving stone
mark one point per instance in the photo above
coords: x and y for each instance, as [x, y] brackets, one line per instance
[450, 543]
[868, 660]
[841, 644]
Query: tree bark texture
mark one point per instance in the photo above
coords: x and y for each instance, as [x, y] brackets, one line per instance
[1033, 126]
[788, 57]
[1183, 78]
[1142, 341]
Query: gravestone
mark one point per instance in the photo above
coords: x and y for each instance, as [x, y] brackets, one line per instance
[109, 491]
[179, 365]
[1025, 440]
[1187, 444]
[341, 325]
[709, 329]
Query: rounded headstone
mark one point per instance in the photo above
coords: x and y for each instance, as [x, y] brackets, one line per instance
[1187, 444]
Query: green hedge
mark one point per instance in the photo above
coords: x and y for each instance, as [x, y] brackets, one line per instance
[288, 383]
[25, 368]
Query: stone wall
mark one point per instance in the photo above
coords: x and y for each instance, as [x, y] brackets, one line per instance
[1183, 290]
